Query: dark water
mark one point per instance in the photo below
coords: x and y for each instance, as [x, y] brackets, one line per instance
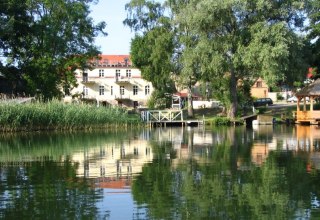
[172, 173]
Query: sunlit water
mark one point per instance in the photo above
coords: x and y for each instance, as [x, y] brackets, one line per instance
[166, 173]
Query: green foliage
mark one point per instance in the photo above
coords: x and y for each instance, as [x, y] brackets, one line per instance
[261, 110]
[220, 121]
[223, 42]
[151, 53]
[57, 115]
[53, 39]
[279, 97]
[241, 40]
[314, 31]
[159, 100]
[297, 84]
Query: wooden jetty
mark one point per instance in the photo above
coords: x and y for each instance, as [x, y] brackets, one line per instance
[163, 118]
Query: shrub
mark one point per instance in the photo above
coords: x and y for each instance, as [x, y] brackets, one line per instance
[220, 121]
[279, 97]
[159, 100]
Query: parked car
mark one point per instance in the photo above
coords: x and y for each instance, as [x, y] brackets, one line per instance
[292, 99]
[262, 102]
[295, 99]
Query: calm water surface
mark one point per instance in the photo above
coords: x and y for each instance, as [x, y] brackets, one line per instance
[166, 173]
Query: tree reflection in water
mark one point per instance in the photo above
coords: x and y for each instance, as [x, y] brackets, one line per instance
[224, 173]
[46, 190]
[224, 182]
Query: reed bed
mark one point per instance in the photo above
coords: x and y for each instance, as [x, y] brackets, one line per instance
[55, 115]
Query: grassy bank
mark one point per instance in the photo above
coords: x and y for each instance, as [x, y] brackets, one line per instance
[55, 115]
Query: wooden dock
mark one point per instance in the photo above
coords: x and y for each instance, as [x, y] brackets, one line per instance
[164, 118]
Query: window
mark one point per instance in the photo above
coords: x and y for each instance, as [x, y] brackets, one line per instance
[85, 91]
[121, 90]
[135, 151]
[101, 90]
[135, 90]
[117, 73]
[128, 73]
[111, 90]
[85, 76]
[101, 73]
[259, 84]
[147, 90]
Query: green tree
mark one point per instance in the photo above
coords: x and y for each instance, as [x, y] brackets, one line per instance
[58, 38]
[314, 31]
[14, 31]
[152, 47]
[238, 40]
[233, 41]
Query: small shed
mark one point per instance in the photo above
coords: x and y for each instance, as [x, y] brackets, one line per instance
[311, 93]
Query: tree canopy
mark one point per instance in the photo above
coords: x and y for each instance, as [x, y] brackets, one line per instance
[236, 41]
[314, 31]
[45, 41]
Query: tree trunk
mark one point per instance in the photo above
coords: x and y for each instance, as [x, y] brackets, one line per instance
[234, 99]
[190, 104]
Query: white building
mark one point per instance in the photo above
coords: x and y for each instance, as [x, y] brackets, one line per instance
[113, 81]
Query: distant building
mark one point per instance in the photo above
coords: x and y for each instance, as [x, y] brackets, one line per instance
[260, 89]
[113, 81]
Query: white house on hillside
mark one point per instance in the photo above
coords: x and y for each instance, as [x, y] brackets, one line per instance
[113, 81]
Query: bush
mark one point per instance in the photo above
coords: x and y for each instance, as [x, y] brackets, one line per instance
[261, 110]
[159, 100]
[220, 121]
[279, 97]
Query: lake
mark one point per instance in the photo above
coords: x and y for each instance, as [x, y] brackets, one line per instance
[266, 172]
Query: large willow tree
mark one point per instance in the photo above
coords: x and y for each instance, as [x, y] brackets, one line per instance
[42, 42]
[228, 43]
[242, 39]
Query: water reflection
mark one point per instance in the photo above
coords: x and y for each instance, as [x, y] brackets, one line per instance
[269, 172]
[299, 139]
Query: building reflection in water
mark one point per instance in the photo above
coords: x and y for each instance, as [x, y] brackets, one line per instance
[114, 165]
[301, 138]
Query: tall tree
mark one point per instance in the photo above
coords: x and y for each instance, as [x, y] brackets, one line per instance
[314, 31]
[59, 38]
[238, 40]
[162, 51]
[226, 42]
[14, 30]
[188, 71]
[152, 47]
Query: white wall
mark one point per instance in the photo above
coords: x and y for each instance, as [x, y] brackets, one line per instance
[205, 104]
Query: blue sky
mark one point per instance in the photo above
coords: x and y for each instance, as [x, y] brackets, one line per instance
[119, 37]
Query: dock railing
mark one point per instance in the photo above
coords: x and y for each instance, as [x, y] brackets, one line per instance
[162, 116]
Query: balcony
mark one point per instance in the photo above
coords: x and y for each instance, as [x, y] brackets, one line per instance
[87, 80]
[122, 97]
[122, 80]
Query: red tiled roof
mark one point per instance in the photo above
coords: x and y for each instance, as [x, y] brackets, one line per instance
[116, 60]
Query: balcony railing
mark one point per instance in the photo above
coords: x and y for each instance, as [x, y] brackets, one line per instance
[122, 79]
[122, 97]
[87, 80]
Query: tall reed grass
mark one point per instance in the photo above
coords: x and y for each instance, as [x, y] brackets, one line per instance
[55, 115]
